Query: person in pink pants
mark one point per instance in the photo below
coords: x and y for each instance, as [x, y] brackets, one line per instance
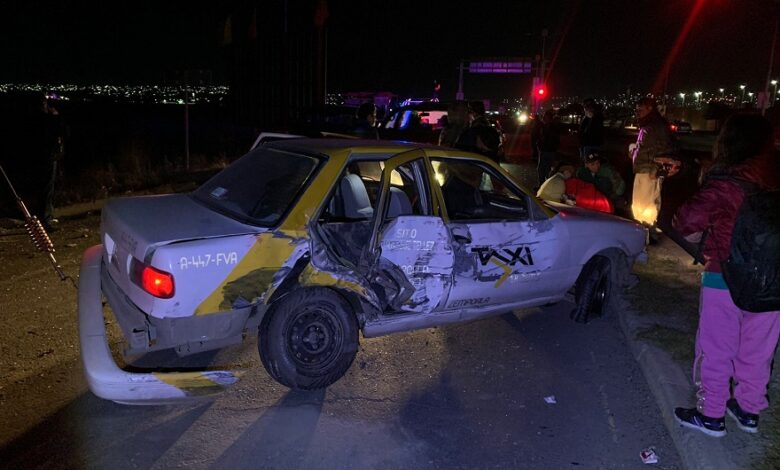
[731, 344]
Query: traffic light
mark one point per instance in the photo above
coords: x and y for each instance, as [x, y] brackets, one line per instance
[540, 92]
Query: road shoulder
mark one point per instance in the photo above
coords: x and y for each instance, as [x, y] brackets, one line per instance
[667, 370]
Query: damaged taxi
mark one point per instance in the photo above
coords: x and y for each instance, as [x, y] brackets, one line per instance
[310, 242]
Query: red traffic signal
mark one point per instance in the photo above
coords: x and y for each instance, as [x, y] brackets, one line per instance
[540, 92]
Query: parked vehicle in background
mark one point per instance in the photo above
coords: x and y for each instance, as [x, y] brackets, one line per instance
[680, 127]
[419, 122]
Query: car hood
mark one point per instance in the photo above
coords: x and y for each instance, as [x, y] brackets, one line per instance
[591, 232]
[139, 224]
[567, 211]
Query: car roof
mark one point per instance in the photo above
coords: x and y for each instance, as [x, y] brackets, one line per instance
[345, 149]
[342, 151]
[426, 106]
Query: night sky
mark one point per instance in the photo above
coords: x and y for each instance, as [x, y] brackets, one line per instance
[403, 46]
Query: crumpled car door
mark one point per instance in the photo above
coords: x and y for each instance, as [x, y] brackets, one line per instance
[409, 258]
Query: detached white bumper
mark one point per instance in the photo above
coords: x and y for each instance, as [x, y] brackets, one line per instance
[106, 379]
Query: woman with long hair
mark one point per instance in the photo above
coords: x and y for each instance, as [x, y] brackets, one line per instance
[731, 343]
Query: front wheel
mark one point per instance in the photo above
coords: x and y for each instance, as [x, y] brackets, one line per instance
[593, 290]
[309, 340]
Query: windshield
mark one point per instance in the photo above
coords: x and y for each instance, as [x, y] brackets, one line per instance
[259, 187]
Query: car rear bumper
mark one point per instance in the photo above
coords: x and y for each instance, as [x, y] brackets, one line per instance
[105, 378]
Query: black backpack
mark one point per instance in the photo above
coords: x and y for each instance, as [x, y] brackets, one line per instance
[752, 270]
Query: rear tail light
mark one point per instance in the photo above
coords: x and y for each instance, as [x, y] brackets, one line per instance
[152, 280]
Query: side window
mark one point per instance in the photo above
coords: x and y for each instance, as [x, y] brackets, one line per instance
[473, 191]
[346, 220]
[408, 191]
[355, 195]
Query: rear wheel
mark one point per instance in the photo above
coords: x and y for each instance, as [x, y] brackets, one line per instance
[594, 291]
[309, 340]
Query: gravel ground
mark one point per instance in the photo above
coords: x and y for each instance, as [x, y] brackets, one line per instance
[39, 341]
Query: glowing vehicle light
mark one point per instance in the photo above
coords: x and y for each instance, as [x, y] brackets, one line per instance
[522, 118]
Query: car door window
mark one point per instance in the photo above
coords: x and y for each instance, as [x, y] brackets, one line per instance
[473, 191]
[407, 191]
[346, 219]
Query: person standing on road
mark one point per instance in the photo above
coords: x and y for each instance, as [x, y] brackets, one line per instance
[457, 122]
[731, 343]
[365, 125]
[480, 137]
[535, 134]
[548, 141]
[46, 149]
[654, 139]
[591, 129]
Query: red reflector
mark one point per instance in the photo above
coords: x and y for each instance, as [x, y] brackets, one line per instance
[156, 282]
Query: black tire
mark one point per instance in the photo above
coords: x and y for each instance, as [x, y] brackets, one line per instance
[309, 339]
[594, 290]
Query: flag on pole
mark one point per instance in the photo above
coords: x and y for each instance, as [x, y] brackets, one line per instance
[321, 13]
[253, 26]
[227, 32]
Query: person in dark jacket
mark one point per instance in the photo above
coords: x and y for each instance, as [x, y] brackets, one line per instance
[654, 139]
[591, 129]
[591, 173]
[480, 136]
[457, 122]
[365, 124]
[548, 140]
[730, 343]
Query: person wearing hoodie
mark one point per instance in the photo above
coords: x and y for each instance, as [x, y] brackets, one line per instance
[554, 188]
[654, 139]
[730, 343]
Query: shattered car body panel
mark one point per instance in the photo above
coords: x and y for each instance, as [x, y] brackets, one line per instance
[298, 214]
[420, 246]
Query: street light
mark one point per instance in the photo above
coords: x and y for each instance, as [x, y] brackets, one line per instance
[722, 90]
[774, 93]
[698, 97]
[682, 95]
[750, 97]
[742, 87]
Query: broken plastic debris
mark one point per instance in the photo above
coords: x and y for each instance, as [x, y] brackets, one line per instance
[648, 455]
[550, 400]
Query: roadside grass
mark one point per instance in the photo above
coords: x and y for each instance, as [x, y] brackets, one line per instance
[668, 291]
[100, 183]
[677, 343]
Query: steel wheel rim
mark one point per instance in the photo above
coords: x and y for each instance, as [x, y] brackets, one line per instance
[314, 338]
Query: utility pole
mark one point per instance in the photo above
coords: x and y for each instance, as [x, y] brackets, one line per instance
[771, 66]
[459, 94]
[533, 101]
[186, 120]
[544, 42]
